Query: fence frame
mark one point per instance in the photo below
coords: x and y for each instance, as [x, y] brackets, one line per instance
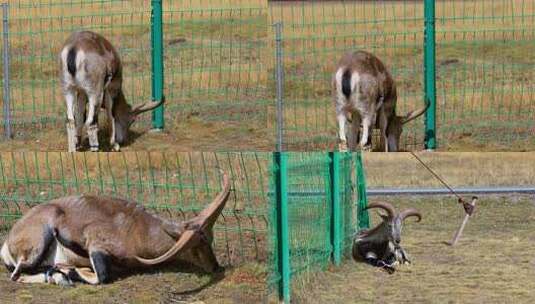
[6, 62]
[430, 87]
[157, 62]
[280, 161]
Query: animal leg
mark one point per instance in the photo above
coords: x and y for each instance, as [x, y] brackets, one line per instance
[109, 109]
[367, 127]
[372, 259]
[52, 276]
[100, 262]
[79, 117]
[383, 126]
[91, 122]
[354, 134]
[404, 256]
[341, 117]
[36, 278]
[70, 99]
[37, 257]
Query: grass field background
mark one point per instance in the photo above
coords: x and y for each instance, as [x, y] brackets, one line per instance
[492, 263]
[485, 62]
[215, 80]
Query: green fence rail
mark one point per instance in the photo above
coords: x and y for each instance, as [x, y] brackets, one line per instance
[315, 214]
[294, 212]
[209, 51]
[479, 53]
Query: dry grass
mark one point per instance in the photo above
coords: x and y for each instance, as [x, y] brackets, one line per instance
[485, 60]
[458, 169]
[244, 284]
[493, 263]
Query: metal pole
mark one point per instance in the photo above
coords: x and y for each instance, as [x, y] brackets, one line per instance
[336, 217]
[157, 62]
[280, 79]
[6, 60]
[443, 191]
[429, 75]
[362, 213]
[283, 231]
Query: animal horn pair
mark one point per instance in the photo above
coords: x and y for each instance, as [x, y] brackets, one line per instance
[147, 106]
[204, 220]
[392, 213]
[416, 113]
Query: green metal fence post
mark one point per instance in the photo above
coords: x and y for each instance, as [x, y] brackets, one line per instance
[283, 233]
[157, 61]
[336, 210]
[362, 213]
[429, 75]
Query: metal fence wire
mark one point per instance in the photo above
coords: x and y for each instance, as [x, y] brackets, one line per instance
[484, 65]
[307, 220]
[212, 58]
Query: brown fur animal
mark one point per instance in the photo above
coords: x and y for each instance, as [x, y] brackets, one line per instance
[381, 245]
[364, 89]
[91, 77]
[90, 238]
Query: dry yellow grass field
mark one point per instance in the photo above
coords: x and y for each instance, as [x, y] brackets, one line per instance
[492, 263]
[485, 60]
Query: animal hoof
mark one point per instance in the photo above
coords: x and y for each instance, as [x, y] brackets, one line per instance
[116, 147]
[367, 148]
[94, 149]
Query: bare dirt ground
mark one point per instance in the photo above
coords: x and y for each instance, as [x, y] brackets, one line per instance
[493, 263]
[188, 135]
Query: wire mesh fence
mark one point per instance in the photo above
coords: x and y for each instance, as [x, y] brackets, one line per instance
[316, 216]
[176, 185]
[317, 33]
[212, 58]
[319, 193]
[484, 65]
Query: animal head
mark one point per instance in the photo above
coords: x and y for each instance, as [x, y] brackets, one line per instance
[125, 115]
[393, 221]
[395, 128]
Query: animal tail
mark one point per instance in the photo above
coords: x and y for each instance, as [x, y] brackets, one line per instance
[346, 83]
[71, 61]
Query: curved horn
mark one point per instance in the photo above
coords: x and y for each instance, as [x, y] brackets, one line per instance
[147, 106]
[414, 114]
[385, 206]
[410, 212]
[206, 218]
